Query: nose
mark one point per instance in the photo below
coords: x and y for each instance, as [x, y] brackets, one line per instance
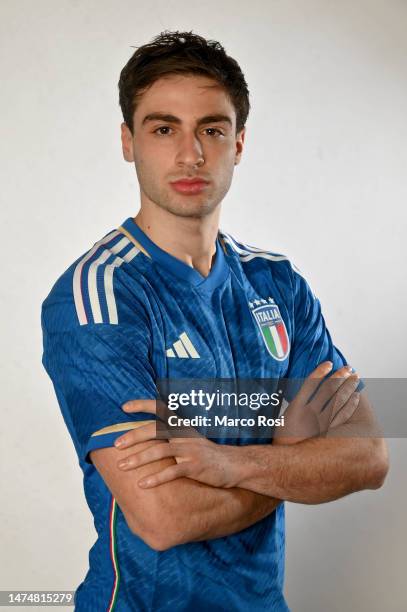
[190, 152]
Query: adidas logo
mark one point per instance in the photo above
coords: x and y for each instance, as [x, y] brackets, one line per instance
[183, 348]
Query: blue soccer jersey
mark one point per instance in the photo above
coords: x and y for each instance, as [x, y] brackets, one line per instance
[127, 313]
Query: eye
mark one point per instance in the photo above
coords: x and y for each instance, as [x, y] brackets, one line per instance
[159, 131]
[214, 132]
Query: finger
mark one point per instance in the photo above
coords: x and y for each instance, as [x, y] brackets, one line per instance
[141, 405]
[331, 406]
[148, 455]
[325, 412]
[342, 416]
[329, 387]
[312, 381]
[139, 434]
[345, 391]
[171, 473]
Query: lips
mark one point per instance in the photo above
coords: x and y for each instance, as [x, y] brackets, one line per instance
[189, 185]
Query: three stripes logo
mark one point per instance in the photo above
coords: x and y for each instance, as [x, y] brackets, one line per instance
[183, 348]
[273, 330]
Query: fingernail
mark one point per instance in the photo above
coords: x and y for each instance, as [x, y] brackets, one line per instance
[123, 464]
[120, 442]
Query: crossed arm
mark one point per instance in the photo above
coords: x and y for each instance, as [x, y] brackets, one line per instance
[223, 489]
[181, 511]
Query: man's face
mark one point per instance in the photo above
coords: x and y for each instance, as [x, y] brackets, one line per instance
[184, 127]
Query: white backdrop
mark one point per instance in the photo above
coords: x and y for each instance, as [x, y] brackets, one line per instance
[323, 180]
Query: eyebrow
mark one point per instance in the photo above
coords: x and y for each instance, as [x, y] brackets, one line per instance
[172, 119]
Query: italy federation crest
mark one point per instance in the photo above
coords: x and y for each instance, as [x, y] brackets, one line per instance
[272, 327]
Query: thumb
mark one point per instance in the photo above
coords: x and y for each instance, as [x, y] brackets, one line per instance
[140, 405]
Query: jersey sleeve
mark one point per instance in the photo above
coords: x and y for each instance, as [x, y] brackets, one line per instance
[95, 369]
[311, 343]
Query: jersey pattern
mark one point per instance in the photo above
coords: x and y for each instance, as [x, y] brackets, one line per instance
[127, 313]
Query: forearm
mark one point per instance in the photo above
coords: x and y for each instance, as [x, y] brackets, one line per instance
[230, 513]
[313, 471]
[185, 510]
[200, 512]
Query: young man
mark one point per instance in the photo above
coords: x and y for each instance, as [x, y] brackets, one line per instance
[193, 524]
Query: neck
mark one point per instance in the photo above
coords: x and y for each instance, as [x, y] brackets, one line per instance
[192, 240]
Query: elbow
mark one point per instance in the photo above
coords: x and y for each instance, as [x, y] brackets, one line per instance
[379, 476]
[156, 541]
[158, 535]
[379, 464]
[159, 541]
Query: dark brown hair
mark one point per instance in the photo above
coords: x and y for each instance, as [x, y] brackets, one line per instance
[181, 53]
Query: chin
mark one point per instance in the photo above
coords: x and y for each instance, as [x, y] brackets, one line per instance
[193, 213]
[191, 209]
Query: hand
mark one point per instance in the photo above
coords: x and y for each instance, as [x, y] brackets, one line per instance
[198, 458]
[333, 404]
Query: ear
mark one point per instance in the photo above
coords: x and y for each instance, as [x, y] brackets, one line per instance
[239, 145]
[127, 143]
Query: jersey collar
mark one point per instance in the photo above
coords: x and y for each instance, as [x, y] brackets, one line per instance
[219, 271]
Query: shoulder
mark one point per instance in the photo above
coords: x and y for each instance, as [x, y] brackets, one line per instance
[95, 287]
[247, 253]
[255, 259]
[264, 268]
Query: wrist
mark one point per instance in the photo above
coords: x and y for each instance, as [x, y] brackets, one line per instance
[253, 461]
[235, 465]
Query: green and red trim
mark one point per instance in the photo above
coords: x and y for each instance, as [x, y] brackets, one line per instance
[113, 555]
